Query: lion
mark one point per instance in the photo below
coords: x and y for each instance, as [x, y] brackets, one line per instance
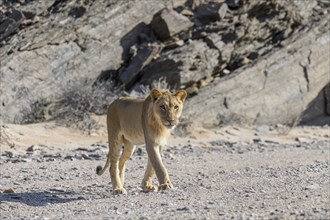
[133, 121]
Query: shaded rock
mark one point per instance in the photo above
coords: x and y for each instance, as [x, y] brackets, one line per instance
[77, 12]
[211, 12]
[316, 108]
[9, 22]
[234, 4]
[144, 56]
[183, 66]
[327, 98]
[32, 148]
[168, 22]
[164, 69]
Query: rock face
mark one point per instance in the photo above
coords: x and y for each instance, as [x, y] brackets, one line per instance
[275, 90]
[56, 54]
[239, 51]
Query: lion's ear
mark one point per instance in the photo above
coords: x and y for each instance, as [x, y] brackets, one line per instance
[181, 94]
[155, 94]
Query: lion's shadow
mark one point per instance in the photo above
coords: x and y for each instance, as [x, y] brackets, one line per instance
[40, 198]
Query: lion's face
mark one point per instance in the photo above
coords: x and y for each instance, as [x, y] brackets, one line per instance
[168, 106]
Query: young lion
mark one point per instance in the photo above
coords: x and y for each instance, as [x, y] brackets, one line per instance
[133, 122]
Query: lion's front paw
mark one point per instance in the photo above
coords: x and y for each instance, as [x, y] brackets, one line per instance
[149, 188]
[119, 191]
[166, 185]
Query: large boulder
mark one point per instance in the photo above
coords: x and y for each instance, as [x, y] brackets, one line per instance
[168, 22]
[275, 90]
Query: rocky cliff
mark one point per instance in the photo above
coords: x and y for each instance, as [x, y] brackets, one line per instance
[241, 61]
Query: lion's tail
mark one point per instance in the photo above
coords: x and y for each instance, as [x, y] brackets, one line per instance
[99, 170]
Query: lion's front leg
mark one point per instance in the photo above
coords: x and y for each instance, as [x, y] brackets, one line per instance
[147, 185]
[158, 166]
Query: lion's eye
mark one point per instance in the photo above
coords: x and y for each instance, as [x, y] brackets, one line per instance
[176, 108]
[163, 107]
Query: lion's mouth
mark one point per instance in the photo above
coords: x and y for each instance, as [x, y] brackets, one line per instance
[169, 125]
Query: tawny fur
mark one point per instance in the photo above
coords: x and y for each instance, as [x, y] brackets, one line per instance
[132, 122]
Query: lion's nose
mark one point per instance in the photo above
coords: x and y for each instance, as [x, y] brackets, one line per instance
[170, 121]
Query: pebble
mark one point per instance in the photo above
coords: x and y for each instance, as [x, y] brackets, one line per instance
[69, 157]
[9, 191]
[211, 205]
[7, 154]
[184, 209]
[56, 190]
[31, 148]
[256, 140]
[271, 142]
[86, 157]
[312, 187]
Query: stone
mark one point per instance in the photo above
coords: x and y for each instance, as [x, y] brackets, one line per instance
[234, 4]
[211, 12]
[32, 148]
[312, 187]
[223, 10]
[187, 12]
[182, 66]
[9, 191]
[168, 23]
[178, 3]
[144, 56]
[175, 44]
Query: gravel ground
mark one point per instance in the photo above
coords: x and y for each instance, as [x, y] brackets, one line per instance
[213, 179]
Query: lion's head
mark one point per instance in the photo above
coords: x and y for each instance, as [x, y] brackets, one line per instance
[167, 106]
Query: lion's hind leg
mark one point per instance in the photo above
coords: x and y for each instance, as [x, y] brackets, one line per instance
[127, 153]
[114, 153]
